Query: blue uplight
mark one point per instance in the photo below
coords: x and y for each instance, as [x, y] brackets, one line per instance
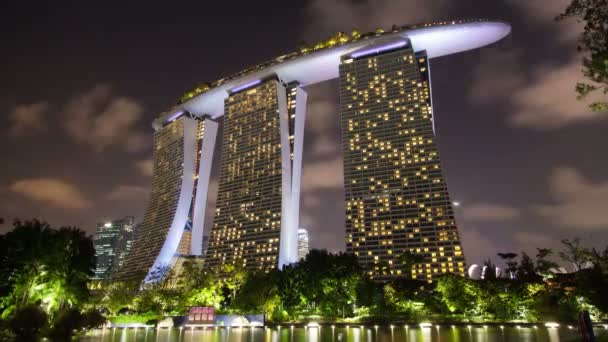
[378, 49]
[245, 86]
[175, 116]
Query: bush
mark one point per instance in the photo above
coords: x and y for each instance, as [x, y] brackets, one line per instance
[66, 323]
[27, 322]
[5, 333]
[93, 319]
[144, 318]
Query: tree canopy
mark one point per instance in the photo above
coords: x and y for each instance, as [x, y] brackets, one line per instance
[593, 42]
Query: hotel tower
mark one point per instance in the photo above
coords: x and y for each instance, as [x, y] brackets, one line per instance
[396, 196]
[399, 218]
[257, 212]
[175, 213]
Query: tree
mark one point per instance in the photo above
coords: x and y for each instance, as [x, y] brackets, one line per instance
[409, 261]
[458, 294]
[591, 268]
[200, 287]
[594, 42]
[526, 270]
[234, 277]
[44, 265]
[490, 270]
[27, 322]
[258, 294]
[544, 267]
[117, 297]
[509, 259]
[575, 254]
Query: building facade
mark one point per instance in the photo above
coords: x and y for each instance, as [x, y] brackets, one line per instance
[257, 212]
[124, 244]
[396, 195]
[396, 199]
[303, 244]
[112, 242]
[183, 150]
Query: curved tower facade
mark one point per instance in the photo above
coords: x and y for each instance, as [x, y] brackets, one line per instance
[257, 211]
[178, 142]
[399, 218]
[397, 202]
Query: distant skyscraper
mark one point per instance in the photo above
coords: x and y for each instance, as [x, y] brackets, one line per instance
[183, 150]
[125, 241]
[111, 243]
[257, 210]
[396, 197]
[303, 247]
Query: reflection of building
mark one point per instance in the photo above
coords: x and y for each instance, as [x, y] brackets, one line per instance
[396, 196]
[178, 197]
[257, 208]
[112, 243]
[303, 246]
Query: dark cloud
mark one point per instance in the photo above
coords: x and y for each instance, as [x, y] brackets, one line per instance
[578, 203]
[128, 193]
[28, 119]
[53, 192]
[328, 17]
[145, 167]
[100, 119]
[490, 212]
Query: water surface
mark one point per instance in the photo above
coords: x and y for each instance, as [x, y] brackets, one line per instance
[337, 334]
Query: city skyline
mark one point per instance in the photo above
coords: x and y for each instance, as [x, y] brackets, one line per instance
[112, 241]
[517, 192]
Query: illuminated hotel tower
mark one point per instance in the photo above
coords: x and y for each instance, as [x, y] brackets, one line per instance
[257, 209]
[396, 196]
[183, 150]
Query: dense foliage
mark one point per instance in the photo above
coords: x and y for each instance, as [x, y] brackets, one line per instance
[593, 41]
[43, 280]
[44, 271]
[333, 287]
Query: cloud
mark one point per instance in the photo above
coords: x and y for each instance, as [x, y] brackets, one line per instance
[550, 101]
[476, 245]
[529, 240]
[101, 120]
[323, 146]
[544, 13]
[541, 92]
[578, 202]
[146, 167]
[54, 192]
[28, 119]
[323, 175]
[490, 212]
[543, 99]
[127, 192]
[321, 115]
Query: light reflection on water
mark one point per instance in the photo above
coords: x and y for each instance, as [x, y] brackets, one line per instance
[337, 334]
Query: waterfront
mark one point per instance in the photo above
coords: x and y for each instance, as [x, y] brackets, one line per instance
[340, 334]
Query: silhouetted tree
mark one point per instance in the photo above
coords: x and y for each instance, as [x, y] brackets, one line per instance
[593, 41]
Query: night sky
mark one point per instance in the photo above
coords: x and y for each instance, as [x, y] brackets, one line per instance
[81, 82]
